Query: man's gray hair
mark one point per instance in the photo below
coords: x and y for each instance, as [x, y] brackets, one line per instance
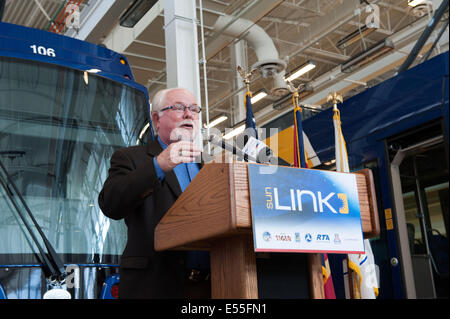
[158, 101]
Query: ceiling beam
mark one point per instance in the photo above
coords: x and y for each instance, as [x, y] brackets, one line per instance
[336, 81]
[121, 38]
[96, 19]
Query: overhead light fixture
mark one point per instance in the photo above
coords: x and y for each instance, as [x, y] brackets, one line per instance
[135, 12]
[313, 107]
[415, 3]
[258, 97]
[355, 36]
[216, 121]
[302, 70]
[234, 132]
[368, 56]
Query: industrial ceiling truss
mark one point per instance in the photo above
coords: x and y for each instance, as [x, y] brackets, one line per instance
[352, 44]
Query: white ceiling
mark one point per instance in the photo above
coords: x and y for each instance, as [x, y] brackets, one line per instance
[301, 30]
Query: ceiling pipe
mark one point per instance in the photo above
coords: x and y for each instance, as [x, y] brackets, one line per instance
[334, 80]
[268, 63]
[424, 36]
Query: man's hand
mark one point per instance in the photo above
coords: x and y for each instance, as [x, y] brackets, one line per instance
[176, 153]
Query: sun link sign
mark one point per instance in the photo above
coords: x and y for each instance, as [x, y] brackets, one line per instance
[296, 200]
[305, 210]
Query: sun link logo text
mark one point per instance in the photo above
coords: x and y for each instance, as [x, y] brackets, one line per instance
[296, 196]
[269, 199]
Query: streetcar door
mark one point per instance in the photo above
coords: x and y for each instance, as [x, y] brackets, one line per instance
[419, 172]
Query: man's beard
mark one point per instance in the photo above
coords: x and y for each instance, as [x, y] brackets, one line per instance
[182, 131]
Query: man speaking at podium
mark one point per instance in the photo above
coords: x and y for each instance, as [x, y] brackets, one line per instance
[143, 183]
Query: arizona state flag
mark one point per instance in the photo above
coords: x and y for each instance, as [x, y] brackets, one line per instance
[301, 160]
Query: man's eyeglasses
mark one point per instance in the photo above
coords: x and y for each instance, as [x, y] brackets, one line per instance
[180, 108]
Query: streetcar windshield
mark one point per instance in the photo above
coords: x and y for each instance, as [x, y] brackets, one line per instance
[58, 130]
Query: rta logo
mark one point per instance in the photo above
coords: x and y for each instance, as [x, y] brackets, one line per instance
[323, 237]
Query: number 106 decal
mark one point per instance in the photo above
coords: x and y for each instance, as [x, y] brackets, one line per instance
[43, 51]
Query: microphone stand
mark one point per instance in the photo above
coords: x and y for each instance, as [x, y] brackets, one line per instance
[231, 148]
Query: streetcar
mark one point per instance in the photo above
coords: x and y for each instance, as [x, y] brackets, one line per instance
[399, 129]
[65, 106]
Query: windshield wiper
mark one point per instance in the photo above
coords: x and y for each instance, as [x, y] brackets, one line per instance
[52, 265]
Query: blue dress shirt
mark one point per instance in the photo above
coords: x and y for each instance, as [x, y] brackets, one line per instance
[185, 173]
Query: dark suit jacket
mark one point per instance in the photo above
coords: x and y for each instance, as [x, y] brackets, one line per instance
[133, 191]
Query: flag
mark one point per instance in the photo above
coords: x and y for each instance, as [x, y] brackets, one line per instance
[301, 160]
[250, 124]
[308, 158]
[328, 286]
[312, 159]
[299, 148]
[364, 283]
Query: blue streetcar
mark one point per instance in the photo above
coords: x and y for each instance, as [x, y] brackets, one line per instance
[399, 129]
[65, 107]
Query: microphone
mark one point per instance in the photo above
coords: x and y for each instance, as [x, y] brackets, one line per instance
[263, 153]
[231, 148]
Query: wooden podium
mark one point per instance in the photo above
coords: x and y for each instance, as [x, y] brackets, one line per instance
[214, 214]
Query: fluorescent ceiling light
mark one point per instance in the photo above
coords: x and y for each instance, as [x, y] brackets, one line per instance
[415, 3]
[302, 70]
[258, 97]
[355, 36]
[135, 12]
[236, 131]
[313, 106]
[216, 121]
[368, 56]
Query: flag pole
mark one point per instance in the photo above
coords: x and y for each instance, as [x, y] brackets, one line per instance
[250, 117]
[336, 98]
[246, 76]
[314, 260]
[354, 272]
[299, 154]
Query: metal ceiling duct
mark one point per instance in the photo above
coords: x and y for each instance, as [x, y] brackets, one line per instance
[268, 63]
